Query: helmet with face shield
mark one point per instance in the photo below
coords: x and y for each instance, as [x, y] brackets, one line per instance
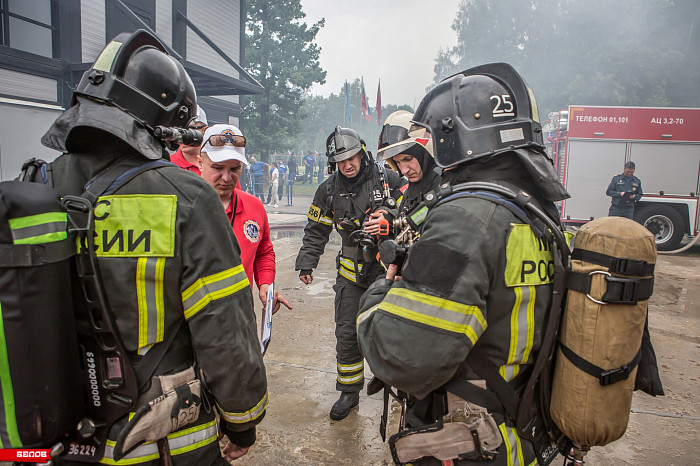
[480, 112]
[342, 144]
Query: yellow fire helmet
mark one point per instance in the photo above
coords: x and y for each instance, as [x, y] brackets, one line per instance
[399, 135]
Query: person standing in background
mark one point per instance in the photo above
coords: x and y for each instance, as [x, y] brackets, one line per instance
[274, 184]
[626, 191]
[309, 163]
[256, 169]
[282, 179]
[292, 167]
[322, 161]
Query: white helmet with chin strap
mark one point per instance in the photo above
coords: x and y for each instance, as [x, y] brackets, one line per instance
[399, 135]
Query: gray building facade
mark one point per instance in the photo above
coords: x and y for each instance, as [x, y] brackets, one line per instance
[46, 45]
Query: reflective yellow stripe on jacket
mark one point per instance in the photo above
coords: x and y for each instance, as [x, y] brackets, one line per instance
[213, 287]
[433, 311]
[522, 331]
[149, 291]
[40, 228]
[315, 215]
[347, 269]
[514, 449]
[180, 442]
[246, 416]
[529, 263]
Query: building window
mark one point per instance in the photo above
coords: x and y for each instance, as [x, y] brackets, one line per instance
[28, 25]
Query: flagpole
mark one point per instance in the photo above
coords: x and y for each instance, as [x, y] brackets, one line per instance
[379, 103]
[347, 116]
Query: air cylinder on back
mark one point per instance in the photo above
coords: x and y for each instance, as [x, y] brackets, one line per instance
[609, 285]
[39, 359]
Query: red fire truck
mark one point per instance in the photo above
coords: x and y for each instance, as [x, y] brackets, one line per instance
[590, 145]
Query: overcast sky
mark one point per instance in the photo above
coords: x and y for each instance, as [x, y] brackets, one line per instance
[394, 40]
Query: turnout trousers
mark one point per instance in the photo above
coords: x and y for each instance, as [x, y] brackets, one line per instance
[350, 363]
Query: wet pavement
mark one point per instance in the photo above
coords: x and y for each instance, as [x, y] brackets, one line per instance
[301, 374]
[301, 371]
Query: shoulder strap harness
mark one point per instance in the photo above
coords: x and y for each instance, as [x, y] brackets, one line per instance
[122, 383]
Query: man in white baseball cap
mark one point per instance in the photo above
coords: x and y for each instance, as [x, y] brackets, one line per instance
[221, 160]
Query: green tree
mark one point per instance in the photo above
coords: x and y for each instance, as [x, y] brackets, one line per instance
[587, 52]
[282, 55]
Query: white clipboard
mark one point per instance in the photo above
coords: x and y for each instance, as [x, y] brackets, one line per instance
[266, 321]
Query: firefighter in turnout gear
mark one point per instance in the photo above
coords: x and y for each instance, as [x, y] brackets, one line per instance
[162, 271]
[410, 153]
[345, 200]
[475, 289]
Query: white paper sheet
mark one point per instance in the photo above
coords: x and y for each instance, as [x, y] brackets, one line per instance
[266, 321]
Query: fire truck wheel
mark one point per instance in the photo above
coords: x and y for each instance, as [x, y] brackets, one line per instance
[664, 222]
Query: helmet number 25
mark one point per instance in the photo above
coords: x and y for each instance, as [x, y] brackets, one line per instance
[503, 107]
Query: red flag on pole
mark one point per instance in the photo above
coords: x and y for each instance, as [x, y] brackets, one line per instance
[365, 107]
[379, 103]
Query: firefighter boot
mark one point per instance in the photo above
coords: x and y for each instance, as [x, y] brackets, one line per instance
[345, 403]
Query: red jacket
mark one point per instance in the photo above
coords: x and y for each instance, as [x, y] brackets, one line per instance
[252, 230]
[178, 159]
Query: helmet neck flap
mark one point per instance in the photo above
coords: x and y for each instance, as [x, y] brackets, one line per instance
[86, 114]
[527, 169]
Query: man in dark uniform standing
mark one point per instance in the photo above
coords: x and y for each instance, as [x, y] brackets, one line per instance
[181, 278]
[468, 296]
[343, 200]
[626, 191]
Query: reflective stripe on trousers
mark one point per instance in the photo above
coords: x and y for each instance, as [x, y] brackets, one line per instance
[351, 373]
[350, 364]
